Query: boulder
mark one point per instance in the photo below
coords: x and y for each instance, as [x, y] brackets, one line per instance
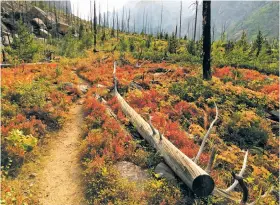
[132, 172]
[38, 23]
[164, 171]
[4, 29]
[83, 88]
[43, 33]
[274, 115]
[9, 23]
[6, 40]
[62, 28]
[36, 12]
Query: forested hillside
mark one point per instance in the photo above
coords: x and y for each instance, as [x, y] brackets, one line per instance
[231, 17]
[97, 112]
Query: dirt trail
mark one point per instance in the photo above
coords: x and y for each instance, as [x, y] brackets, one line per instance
[61, 178]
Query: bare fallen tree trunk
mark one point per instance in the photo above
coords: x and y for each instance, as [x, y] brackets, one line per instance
[190, 173]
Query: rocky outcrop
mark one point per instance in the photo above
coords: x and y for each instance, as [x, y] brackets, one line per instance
[9, 24]
[6, 40]
[62, 28]
[43, 33]
[38, 13]
[38, 23]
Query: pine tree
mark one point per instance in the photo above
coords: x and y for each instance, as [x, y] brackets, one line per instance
[23, 47]
[259, 42]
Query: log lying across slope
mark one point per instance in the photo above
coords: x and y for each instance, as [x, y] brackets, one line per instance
[190, 173]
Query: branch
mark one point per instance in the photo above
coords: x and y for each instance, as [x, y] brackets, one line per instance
[229, 189]
[206, 136]
[243, 186]
[114, 76]
[262, 196]
[139, 66]
[211, 160]
[152, 127]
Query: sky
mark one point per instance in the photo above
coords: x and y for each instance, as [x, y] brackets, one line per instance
[84, 6]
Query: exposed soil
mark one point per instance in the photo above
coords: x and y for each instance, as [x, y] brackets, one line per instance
[61, 177]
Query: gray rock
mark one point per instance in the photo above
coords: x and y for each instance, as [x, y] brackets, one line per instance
[43, 33]
[6, 40]
[36, 12]
[62, 28]
[38, 23]
[4, 28]
[9, 23]
[165, 172]
[83, 88]
[132, 172]
[274, 115]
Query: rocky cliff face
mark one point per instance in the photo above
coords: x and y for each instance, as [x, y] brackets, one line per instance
[44, 19]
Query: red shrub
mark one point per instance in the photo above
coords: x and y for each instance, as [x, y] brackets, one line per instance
[223, 72]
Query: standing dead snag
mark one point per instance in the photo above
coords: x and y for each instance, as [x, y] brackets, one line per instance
[206, 23]
[191, 174]
[94, 27]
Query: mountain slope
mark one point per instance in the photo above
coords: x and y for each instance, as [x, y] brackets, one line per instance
[266, 19]
[231, 16]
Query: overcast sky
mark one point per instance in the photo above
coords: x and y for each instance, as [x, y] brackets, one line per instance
[84, 6]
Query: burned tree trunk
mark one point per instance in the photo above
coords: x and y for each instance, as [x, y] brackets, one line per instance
[180, 29]
[195, 20]
[190, 173]
[94, 26]
[206, 23]
[113, 26]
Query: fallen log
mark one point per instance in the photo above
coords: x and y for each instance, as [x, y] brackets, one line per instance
[190, 173]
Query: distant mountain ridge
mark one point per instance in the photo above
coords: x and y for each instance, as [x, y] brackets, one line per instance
[234, 16]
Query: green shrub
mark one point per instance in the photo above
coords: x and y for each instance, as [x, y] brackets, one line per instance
[30, 95]
[24, 47]
[17, 139]
[245, 130]
[190, 90]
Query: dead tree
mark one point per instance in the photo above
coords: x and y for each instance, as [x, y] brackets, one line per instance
[206, 23]
[122, 29]
[99, 19]
[243, 187]
[134, 25]
[195, 20]
[113, 25]
[206, 136]
[128, 19]
[190, 173]
[211, 160]
[213, 33]
[117, 26]
[180, 29]
[90, 13]
[107, 15]
[94, 27]
[160, 28]
[143, 21]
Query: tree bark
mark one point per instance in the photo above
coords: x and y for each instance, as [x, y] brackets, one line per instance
[94, 25]
[190, 173]
[195, 20]
[180, 29]
[206, 23]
